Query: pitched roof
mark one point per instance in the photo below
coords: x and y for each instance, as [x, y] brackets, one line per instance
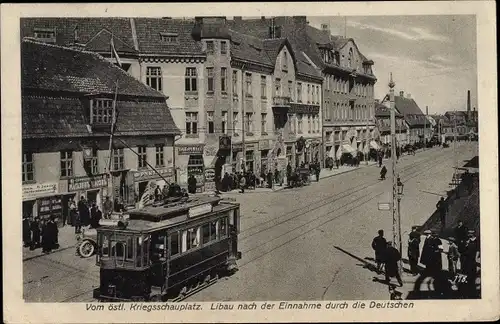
[56, 68]
[86, 29]
[148, 36]
[412, 113]
[384, 111]
[47, 117]
[249, 48]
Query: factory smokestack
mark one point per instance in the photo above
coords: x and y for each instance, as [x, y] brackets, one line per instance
[468, 104]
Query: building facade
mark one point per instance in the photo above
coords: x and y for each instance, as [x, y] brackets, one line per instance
[420, 129]
[67, 110]
[383, 117]
[347, 96]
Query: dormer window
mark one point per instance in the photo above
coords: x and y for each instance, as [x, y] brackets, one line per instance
[169, 37]
[210, 47]
[101, 111]
[47, 35]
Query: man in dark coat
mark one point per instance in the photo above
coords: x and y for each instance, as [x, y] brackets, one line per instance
[192, 184]
[35, 234]
[317, 170]
[414, 250]
[380, 160]
[431, 254]
[26, 231]
[392, 257]
[461, 233]
[270, 179]
[84, 212]
[470, 256]
[442, 207]
[379, 245]
[54, 233]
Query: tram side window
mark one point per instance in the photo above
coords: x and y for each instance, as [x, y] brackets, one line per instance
[174, 243]
[130, 249]
[209, 231]
[159, 251]
[118, 249]
[105, 246]
[222, 227]
[192, 238]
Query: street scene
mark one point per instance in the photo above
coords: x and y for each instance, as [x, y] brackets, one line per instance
[249, 159]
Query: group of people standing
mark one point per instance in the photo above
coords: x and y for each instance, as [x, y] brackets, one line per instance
[463, 248]
[40, 233]
[87, 213]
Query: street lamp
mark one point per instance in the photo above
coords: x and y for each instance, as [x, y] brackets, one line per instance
[400, 188]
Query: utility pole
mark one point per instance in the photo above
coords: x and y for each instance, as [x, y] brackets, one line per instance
[367, 147]
[243, 116]
[396, 217]
[425, 126]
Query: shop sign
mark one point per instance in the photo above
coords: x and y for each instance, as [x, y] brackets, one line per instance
[151, 174]
[209, 175]
[31, 191]
[304, 109]
[86, 183]
[188, 150]
[264, 145]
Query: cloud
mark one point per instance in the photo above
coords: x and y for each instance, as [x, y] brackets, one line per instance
[415, 33]
[397, 60]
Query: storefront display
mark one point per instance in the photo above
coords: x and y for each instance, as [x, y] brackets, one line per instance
[50, 207]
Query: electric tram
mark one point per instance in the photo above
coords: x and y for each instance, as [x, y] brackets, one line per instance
[168, 251]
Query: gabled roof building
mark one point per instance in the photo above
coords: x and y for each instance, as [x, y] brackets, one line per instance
[67, 104]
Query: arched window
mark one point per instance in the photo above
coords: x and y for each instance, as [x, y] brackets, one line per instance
[350, 58]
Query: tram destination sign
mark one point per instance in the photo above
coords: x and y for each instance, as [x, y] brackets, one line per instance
[200, 210]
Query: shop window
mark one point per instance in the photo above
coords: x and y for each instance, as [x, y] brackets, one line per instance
[160, 157]
[263, 87]
[28, 167]
[174, 243]
[142, 157]
[118, 159]
[223, 47]
[191, 123]
[210, 79]
[66, 163]
[195, 167]
[191, 80]
[210, 122]
[223, 80]
[154, 77]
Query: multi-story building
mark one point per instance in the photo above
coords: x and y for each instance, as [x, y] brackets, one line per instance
[68, 97]
[348, 81]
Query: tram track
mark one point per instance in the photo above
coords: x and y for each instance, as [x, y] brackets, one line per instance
[328, 212]
[325, 201]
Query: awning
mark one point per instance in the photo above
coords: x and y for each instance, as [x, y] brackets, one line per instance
[374, 145]
[331, 152]
[346, 148]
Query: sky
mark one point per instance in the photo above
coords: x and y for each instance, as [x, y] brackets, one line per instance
[433, 58]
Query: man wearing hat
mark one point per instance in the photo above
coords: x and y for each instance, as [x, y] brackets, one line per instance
[379, 245]
[470, 266]
[431, 253]
[414, 250]
[392, 258]
[107, 208]
[452, 256]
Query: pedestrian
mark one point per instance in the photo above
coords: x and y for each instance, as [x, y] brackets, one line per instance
[431, 253]
[392, 257]
[318, 170]
[442, 207]
[452, 256]
[71, 211]
[46, 237]
[157, 193]
[107, 208]
[243, 183]
[379, 245]
[471, 256]
[78, 223]
[380, 160]
[26, 231]
[414, 250]
[383, 172]
[35, 234]
[53, 234]
[83, 211]
[270, 179]
[192, 184]
[461, 237]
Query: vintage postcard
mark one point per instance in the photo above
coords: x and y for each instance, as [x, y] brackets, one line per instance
[250, 162]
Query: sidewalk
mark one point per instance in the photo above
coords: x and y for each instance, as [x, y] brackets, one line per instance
[326, 173]
[66, 239]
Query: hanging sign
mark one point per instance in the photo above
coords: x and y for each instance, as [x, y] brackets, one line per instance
[86, 183]
[151, 174]
[188, 150]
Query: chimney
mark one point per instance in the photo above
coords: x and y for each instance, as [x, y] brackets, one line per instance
[401, 93]
[262, 17]
[408, 95]
[468, 103]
